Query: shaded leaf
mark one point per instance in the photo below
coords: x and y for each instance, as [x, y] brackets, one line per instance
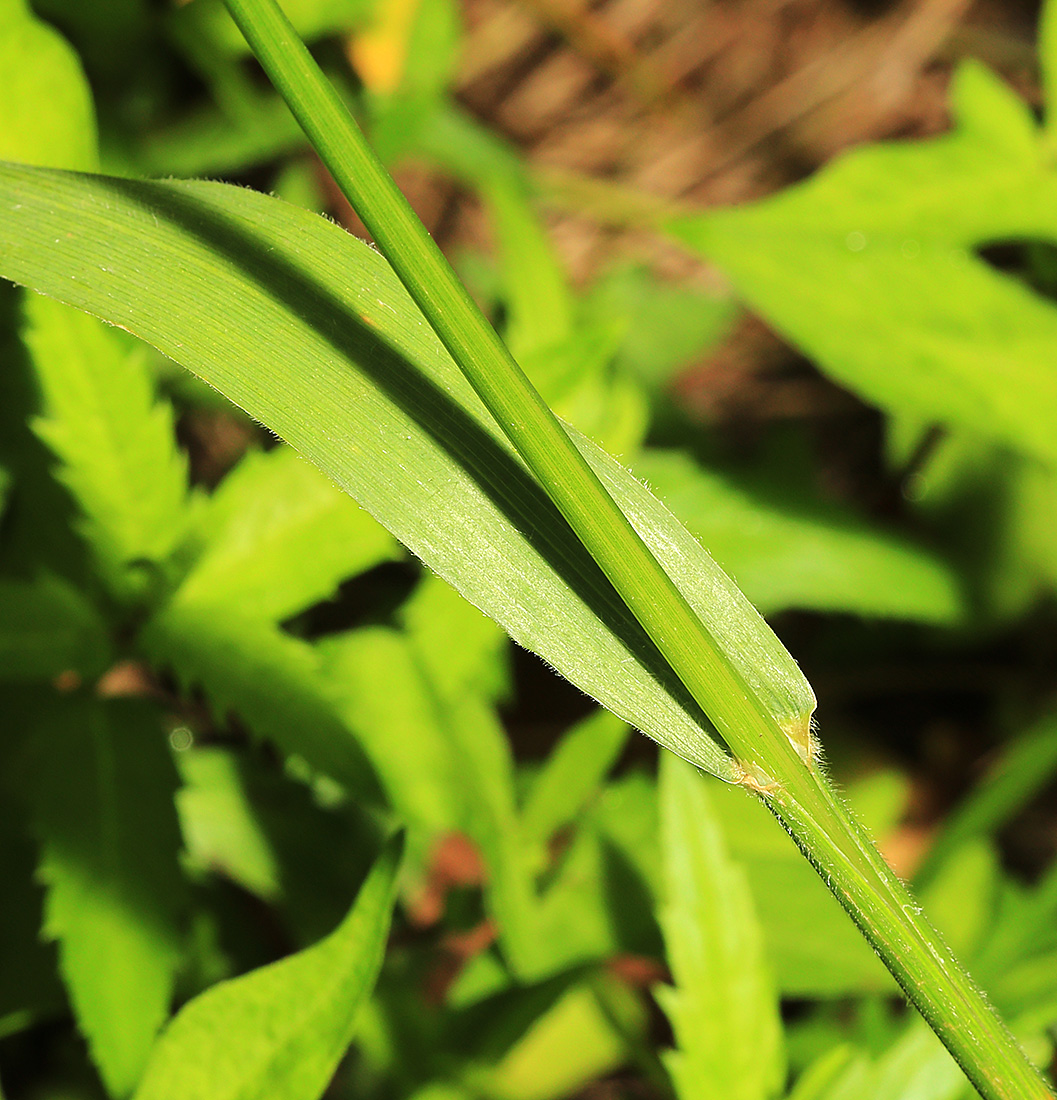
[269, 678]
[48, 627]
[574, 771]
[279, 1032]
[109, 841]
[219, 825]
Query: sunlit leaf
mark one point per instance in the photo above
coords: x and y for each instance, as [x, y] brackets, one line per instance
[278, 537]
[114, 441]
[309, 330]
[48, 116]
[788, 556]
[869, 268]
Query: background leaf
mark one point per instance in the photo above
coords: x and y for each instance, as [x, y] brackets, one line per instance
[109, 838]
[723, 1006]
[280, 1031]
[114, 440]
[788, 556]
[848, 266]
[279, 537]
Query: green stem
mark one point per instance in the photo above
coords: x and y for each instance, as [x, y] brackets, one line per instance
[926, 969]
[757, 740]
[799, 796]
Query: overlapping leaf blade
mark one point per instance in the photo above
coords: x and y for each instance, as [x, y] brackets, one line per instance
[308, 330]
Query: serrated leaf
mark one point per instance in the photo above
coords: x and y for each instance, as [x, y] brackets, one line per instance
[848, 266]
[48, 627]
[788, 557]
[278, 537]
[723, 1006]
[114, 440]
[269, 678]
[279, 1032]
[109, 838]
[917, 1067]
[48, 116]
[324, 345]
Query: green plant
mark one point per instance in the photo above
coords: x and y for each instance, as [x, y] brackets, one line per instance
[327, 348]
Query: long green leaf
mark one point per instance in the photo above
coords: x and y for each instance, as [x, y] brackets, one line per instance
[325, 347]
[279, 1032]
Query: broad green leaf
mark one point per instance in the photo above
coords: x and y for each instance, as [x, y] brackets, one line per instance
[869, 268]
[784, 556]
[104, 813]
[220, 829]
[278, 537]
[573, 772]
[308, 329]
[114, 441]
[279, 1032]
[723, 1005]
[269, 678]
[48, 627]
[47, 117]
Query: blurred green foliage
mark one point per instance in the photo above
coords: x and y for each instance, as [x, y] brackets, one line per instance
[218, 702]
